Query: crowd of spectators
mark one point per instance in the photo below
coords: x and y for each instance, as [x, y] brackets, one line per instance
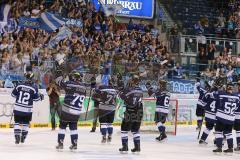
[218, 64]
[226, 25]
[117, 48]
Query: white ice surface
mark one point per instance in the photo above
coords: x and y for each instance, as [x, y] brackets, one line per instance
[40, 145]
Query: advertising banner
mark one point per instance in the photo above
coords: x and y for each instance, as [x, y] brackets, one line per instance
[131, 8]
[41, 115]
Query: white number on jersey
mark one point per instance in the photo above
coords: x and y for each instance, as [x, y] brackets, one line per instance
[78, 98]
[229, 108]
[213, 106]
[110, 99]
[136, 100]
[23, 98]
[166, 101]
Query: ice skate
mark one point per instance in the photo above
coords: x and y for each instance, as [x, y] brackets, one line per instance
[136, 148]
[17, 139]
[73, 147]
[109, 139]
[202, 142]
[23, 139]
[228, 151]
[124, 149]
[59, 146]
[162, 137]
[237, 149]
[217, 151]
[104, 140]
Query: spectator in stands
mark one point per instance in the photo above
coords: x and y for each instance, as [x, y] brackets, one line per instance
[29, 47]
[178, 71]
[198, 28]
[202, 59]
[210, 54]
[231, 27]
[221, 20]
[174, 38]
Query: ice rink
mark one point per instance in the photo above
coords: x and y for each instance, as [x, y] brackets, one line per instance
[41, 143]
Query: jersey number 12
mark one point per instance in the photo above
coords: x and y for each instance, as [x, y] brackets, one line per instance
[23, 98]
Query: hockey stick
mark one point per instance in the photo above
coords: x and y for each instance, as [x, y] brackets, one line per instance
[200, 129]
[10, 123]
[89, 99]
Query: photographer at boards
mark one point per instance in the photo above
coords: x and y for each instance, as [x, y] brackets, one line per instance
[53, 92]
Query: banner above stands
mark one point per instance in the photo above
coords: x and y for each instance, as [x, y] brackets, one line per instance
[48, 22]
[175, 86]
[131, 8]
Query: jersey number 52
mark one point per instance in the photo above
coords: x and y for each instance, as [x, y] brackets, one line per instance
[229, 108]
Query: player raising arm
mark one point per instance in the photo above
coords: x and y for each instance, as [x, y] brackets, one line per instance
[162, 106]
[25, 93]
[69, 112]
[210, 109]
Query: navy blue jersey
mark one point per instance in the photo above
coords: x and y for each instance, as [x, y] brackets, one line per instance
[132, 96]
[202, 92]
[75, 93]
[25, 94]
[210, 107]
[226, 106]
[237, 116]
[107, 96]
[163, 100]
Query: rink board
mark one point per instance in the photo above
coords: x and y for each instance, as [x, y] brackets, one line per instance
[41, 113]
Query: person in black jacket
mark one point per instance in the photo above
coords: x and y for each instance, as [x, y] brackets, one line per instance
[53, 92]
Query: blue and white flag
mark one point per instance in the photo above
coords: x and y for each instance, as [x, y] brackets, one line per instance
[32, 23]
[51, 22]
[62, 34]
[110, 9]
[5, 12]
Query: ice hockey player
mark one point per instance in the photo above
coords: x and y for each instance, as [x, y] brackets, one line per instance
[200, 103]
[69, 112]
[237, 122]
[107, 96]
[226, 105]
[162, 106]
[210, 109]
[132, 97]
[25, 93]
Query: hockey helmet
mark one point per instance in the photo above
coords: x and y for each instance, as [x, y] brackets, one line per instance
[218, 83]
[75, 76]
[135, 80]
[162, 84]
[229, 87]
[29, 75]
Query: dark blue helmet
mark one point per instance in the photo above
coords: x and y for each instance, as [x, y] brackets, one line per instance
[29, 76]
[75, 76]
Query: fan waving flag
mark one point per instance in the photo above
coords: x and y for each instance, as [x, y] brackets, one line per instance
[110, 9]
[51, 22]
[4, 12]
